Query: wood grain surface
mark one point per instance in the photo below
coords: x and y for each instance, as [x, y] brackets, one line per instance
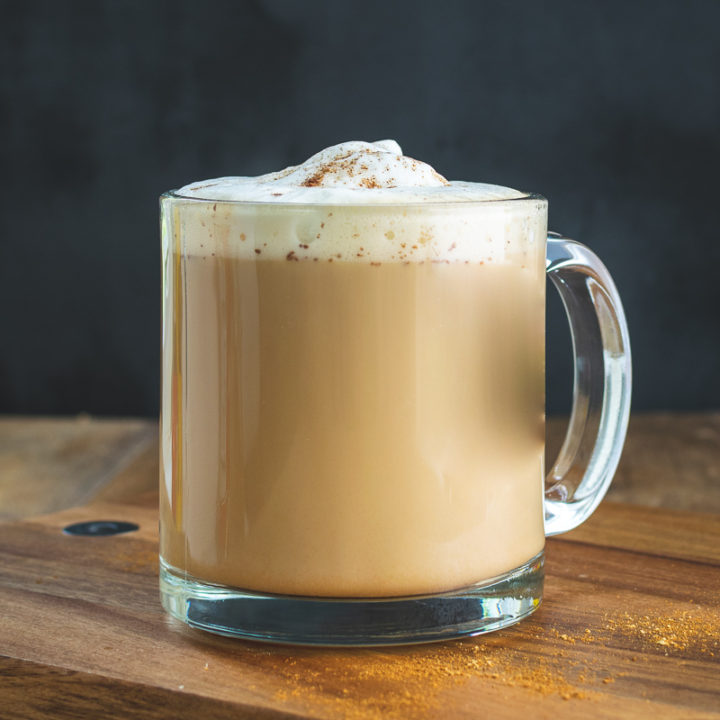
[48, 464]
[630, 625]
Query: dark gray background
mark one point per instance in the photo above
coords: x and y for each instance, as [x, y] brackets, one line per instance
[609, 109]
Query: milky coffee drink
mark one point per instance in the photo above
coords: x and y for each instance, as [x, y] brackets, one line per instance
[354, 401]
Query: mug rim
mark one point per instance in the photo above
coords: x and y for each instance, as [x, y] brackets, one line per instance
[175, 195]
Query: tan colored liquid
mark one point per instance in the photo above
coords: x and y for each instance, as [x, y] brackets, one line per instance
[345, 429]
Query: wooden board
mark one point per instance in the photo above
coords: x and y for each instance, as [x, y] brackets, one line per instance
[48, 464]
[630, 628]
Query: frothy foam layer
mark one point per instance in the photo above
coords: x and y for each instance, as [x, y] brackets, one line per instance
[351, 172]
[479, 232]
[357, 202]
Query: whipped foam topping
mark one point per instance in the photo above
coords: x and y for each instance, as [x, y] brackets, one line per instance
[362, 203]
[351, 172]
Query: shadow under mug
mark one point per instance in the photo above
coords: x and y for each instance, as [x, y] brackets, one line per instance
[352, 424]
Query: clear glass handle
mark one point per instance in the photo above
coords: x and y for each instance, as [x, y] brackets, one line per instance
[601, 391]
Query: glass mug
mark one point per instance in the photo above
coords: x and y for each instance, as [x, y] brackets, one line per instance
[352, 430]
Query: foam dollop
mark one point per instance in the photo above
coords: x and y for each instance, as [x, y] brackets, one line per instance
[351, 172]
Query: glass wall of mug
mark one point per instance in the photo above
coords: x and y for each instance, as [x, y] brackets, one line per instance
[352, 418]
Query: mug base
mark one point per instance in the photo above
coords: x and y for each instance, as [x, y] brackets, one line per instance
[296, 620]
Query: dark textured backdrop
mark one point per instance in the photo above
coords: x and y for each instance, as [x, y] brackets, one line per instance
[611, 110]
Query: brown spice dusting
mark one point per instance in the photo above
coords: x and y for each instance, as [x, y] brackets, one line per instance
[258, 251]
[315, 180]
[277, 194]
[562, 636]
[242, 237]
[305, 247]
[322, 225]
[425, 237]
[291, 256]
[412, 682]
[686, 632]
[376, 264]
[342, 164]
[214, 207]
